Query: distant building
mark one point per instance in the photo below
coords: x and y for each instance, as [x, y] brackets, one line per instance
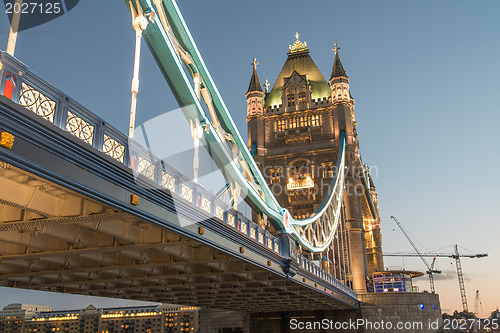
[141, 319]
[13, 316]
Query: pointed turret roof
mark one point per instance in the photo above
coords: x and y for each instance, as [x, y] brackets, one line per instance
[254, 81]
[338, 69]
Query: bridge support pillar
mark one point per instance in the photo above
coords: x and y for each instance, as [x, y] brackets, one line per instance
[354, 216]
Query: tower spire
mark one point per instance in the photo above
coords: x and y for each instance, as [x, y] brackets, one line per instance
[338, 69]
[255, 95]
[339, 81]
[254, 81]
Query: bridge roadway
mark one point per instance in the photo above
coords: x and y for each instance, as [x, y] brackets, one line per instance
[74, 218]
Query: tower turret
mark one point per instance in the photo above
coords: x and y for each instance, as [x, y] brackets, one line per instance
[255, 95]
[339, 81]
[342, 101]
[255, 111]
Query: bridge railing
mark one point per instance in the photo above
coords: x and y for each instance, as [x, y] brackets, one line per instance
[25, 88]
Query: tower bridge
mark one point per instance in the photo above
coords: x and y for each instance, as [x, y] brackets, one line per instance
[76, 219]
[85, 209]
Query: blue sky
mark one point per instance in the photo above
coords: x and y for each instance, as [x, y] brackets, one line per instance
[424, 76]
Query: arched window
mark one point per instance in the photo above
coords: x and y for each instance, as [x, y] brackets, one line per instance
[303, 121]
[280, 125]
[302, 95]
[315, 120]
[290, 96]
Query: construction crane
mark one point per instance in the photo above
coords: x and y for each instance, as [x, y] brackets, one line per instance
[478, 304]
[455, 255]
[430, 268]
[430, 272]
[461, 280]
[476, 311]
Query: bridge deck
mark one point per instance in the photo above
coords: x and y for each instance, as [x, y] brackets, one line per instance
[87, 248]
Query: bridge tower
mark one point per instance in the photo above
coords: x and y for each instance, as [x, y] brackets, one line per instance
[296, 138]
[344, 119]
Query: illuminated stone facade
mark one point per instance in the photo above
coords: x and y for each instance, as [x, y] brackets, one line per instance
[143, 319]
[295, 139]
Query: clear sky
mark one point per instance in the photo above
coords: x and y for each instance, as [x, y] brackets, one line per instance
[424, 76]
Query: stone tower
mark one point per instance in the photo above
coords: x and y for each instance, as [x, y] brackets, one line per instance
[255, 107]
[295, 138]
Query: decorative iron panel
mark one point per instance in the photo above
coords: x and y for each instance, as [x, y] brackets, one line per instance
[168, 181]
[80, 128]
[146, 168]
[206, 204]
[187, 193]
[113, 148]
[230, 220]
[37, 102]
[219, 212]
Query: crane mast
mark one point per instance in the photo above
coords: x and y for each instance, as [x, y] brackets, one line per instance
[431, 277]
[461, 280]
[476, 311]
[477, 303]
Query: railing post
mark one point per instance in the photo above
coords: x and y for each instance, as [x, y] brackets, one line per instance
[61, 113]
[158, 172]
[13, 75]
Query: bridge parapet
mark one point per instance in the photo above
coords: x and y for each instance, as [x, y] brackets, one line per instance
[25, 88]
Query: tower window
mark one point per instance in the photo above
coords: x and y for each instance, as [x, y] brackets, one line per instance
[302, 95]
[302, 121]
[293, 122]
[315, 120]
[339, 93]
[290, 96]
[280, 125]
